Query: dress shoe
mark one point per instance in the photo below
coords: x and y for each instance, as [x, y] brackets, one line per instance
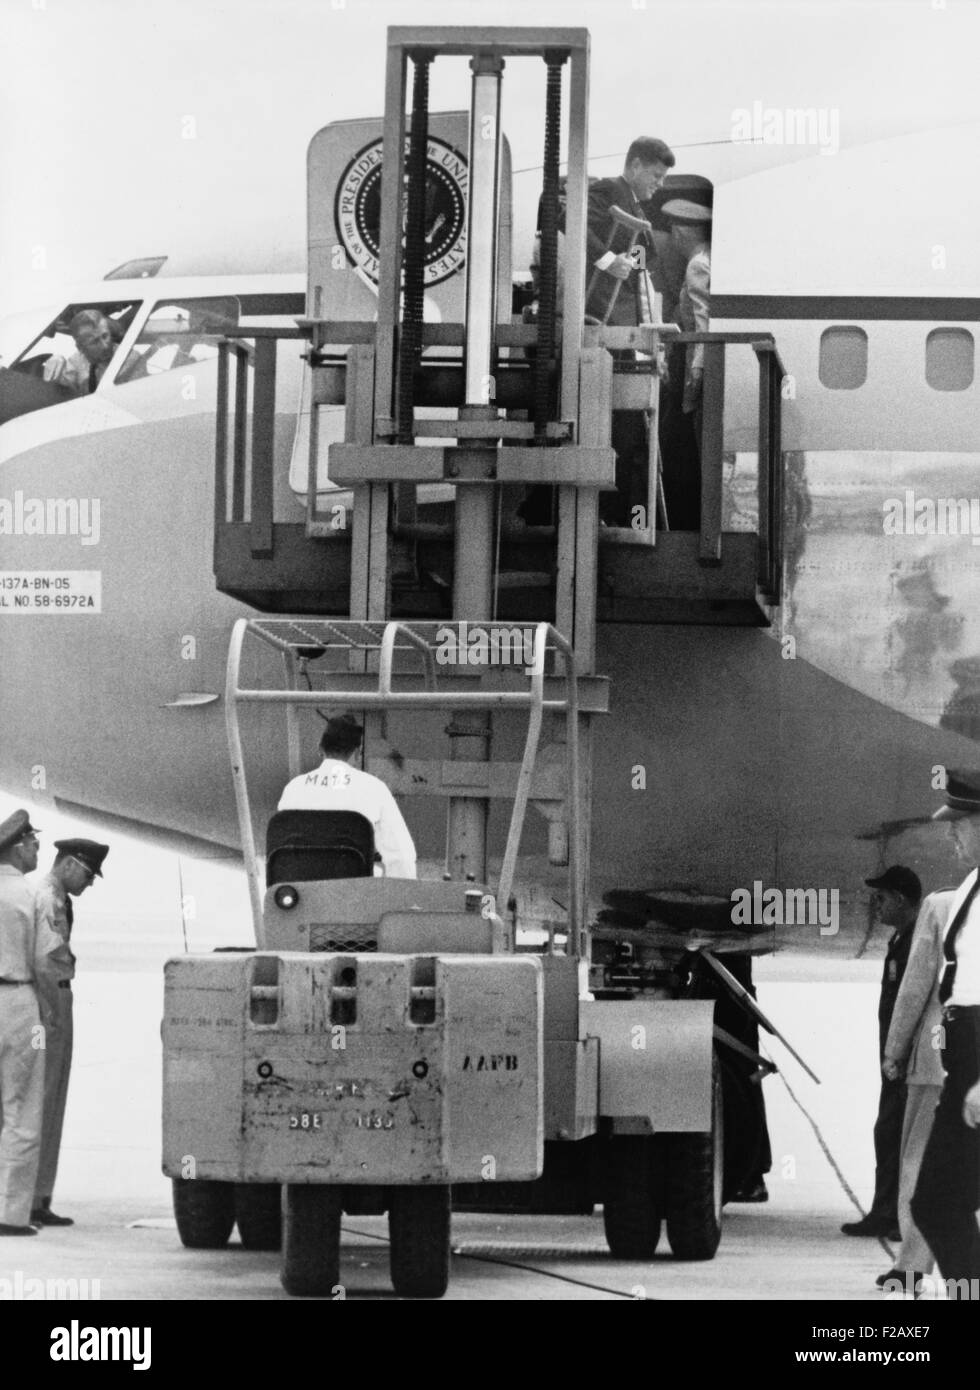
[6, 1230]
[751, 1192]
[44, 1216]
[872, 1226]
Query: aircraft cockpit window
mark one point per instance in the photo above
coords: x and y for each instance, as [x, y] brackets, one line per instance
[57, 339]
[843, 358]
[68, 359]
[949, 359]
[179, 334]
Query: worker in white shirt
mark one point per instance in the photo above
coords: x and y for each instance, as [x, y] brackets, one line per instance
[947, 1195]
[337, 785]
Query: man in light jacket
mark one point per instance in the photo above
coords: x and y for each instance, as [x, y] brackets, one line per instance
[913, 1048]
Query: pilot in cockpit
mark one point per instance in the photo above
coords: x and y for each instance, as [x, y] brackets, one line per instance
[95, 343]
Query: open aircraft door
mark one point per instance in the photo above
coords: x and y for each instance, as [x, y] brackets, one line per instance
[343, 221]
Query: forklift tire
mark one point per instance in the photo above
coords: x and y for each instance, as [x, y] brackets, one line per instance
[311, 1215]
[205, 1212]
[418, 1227]
[694, 1184]
[632, 1208]
[258, 1211]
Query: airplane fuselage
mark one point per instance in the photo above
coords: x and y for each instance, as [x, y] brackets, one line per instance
[792, 755]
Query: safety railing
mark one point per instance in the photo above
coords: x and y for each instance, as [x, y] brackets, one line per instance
[249, 472]
[769, 449]
[310, 639]
[247, 476]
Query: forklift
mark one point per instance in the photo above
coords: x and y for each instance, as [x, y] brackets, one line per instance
[397, 1045]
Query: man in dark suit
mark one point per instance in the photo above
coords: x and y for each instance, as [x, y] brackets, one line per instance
[614, 286]
[898, 893]
[647, 163]
[614, 295]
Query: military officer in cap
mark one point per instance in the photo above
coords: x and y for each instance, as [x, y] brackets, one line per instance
[26, 944]
[690, 230]
[947, 1195]
[76, 866]
[337, 785]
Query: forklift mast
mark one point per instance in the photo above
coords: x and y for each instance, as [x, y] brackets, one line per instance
[554, 440]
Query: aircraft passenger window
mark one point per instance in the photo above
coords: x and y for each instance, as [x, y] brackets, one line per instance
[843, 358]
[949, 359]
[178, 335]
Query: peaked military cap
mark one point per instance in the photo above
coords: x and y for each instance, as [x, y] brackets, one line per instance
[14, 828]
[87, 852]
[686, 213]
[962, 796]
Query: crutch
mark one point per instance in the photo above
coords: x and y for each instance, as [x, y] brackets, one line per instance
[646, 313]
[637, 227]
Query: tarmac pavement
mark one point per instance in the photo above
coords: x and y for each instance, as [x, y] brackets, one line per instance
[788, 1249]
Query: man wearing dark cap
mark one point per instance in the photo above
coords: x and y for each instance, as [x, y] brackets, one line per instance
[26, 944]
[76, 866]
[337, 785]
[947, 1195]
[690, 231]
[897, 894]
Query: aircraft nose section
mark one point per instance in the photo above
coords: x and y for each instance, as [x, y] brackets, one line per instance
[23, 392]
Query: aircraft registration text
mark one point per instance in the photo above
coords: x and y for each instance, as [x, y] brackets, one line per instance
[50, 591]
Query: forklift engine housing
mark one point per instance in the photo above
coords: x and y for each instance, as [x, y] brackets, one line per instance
[378, 1069]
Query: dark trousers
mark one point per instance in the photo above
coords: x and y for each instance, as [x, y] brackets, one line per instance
[680, 451]
[888, 1148]
[629, 439]
[628, 436]
[947, 1195]
[747, 1114]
